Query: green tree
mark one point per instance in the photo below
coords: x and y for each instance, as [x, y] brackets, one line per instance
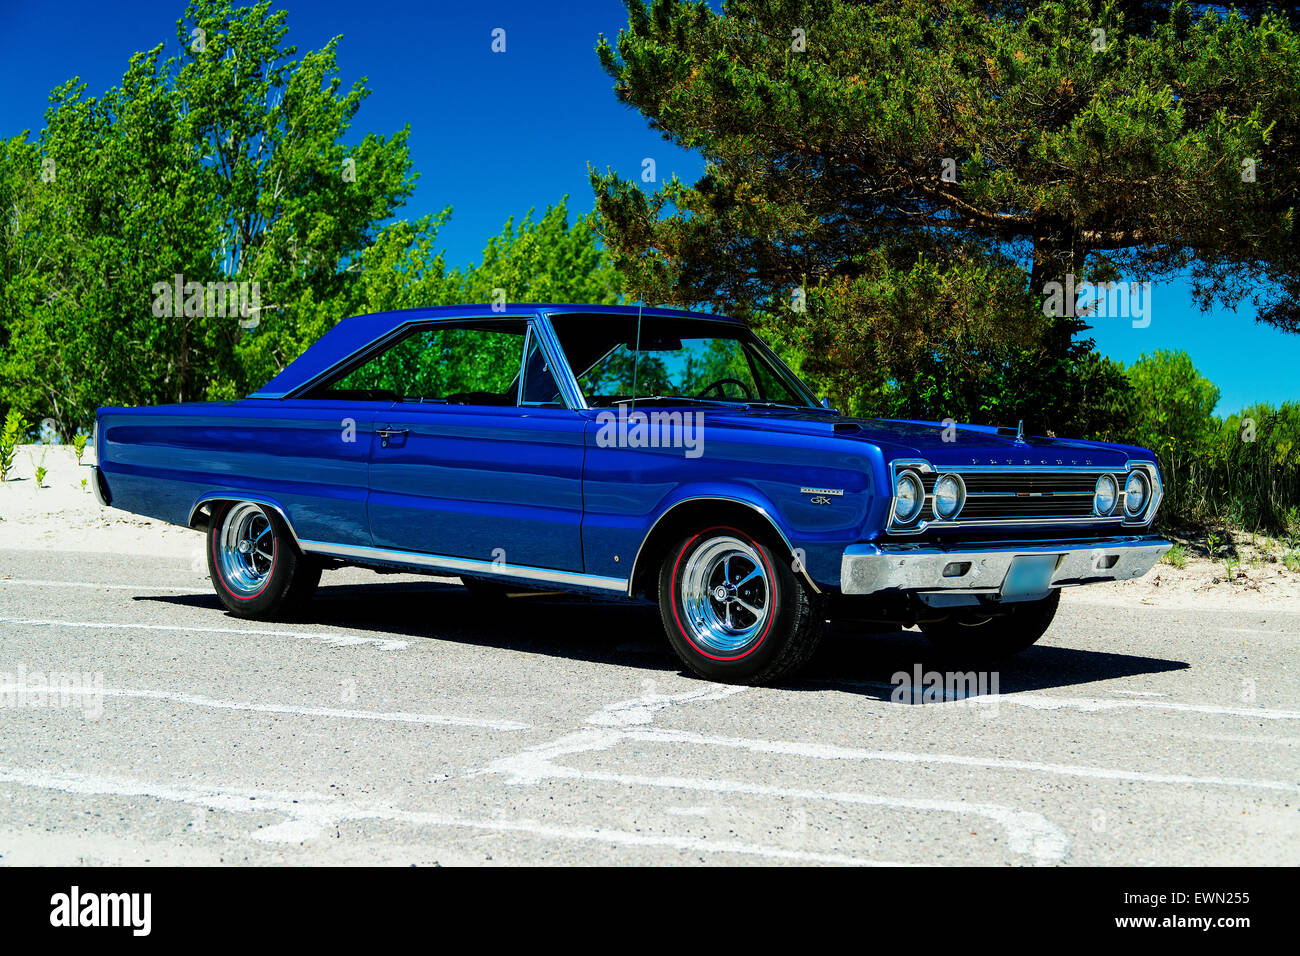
[1177, 405]
[916, 173]
[223, 163]
[539, 260]
[543, 260]
[1174, 417]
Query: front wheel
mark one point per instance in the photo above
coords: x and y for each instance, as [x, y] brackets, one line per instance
[735, 612]
[993, 638]
[255, 566]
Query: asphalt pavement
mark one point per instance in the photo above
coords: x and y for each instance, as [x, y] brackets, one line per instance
[400, 720]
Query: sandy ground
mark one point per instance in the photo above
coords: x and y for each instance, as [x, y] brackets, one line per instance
[62, 515]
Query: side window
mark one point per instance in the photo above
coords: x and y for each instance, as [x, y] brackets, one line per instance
[464, 364]
[539, 382]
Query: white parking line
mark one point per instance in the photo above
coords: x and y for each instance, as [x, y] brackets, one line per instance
[309, 815]
[832, 752]
[1092, 704]
[1085, 704]
[641, 710]
[31, 582]
[334, 640]
[1027, 832]
[195, 700]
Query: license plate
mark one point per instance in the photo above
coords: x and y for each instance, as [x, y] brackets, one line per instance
[1029, 576]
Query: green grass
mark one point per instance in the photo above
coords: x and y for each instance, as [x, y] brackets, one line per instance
[1176, 556]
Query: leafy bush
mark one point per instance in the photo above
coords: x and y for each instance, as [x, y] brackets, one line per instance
[39, 468]
[1175, 556]
[11, 434]
[1243, 469]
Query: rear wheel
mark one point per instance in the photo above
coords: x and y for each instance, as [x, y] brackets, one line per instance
[255, 567]
[994, 637]
[734, 611]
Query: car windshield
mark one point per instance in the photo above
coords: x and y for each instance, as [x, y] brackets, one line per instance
[679, 359]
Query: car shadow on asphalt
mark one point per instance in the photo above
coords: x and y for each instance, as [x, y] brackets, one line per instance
[614, 632]
[876, 664]
[550, 624]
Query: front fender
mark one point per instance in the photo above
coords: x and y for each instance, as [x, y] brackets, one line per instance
[762, 509]
[813, 533]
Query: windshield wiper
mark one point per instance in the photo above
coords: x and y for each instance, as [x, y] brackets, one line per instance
[797, 408]
[720, 403]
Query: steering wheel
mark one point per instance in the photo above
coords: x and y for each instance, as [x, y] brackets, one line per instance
[717, 386]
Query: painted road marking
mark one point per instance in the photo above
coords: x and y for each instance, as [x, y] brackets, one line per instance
[1092, 704]
[1028, 832]
[196, 700]
[641, 710]
[832, 752]
[29, 582]
[308, 815]
[334, 640]
[1087, 704]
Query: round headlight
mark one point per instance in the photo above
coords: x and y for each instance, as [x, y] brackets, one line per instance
[949, 496]
[1103, 498]
[908, 498]
[1136, 492]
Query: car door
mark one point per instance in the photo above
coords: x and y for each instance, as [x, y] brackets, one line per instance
[481, 459]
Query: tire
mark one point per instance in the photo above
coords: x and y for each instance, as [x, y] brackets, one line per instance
[760, 626]
[255, 566]
[996, 637]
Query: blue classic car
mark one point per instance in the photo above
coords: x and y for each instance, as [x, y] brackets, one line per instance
[643, 453]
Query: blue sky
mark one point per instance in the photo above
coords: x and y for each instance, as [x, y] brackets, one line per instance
[495, 134]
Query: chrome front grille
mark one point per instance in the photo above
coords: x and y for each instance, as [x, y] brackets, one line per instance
[1029, 495]
[1030, 481]
[1010, 496]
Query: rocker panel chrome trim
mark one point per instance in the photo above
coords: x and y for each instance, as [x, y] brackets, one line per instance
[442, 562]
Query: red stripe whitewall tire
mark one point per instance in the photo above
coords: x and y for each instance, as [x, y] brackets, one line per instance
[255, 566]
[735, 610]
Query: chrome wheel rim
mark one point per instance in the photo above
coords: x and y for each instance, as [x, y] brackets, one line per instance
[726, 593]
[245, 548]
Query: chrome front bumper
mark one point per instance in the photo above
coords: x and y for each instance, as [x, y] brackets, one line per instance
[981, 568]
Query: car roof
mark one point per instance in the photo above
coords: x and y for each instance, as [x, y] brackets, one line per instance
[357, 332]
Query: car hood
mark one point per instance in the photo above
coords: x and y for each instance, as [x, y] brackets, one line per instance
[966, 445]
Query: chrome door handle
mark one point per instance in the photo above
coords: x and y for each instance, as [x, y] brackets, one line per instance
[387, 433]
